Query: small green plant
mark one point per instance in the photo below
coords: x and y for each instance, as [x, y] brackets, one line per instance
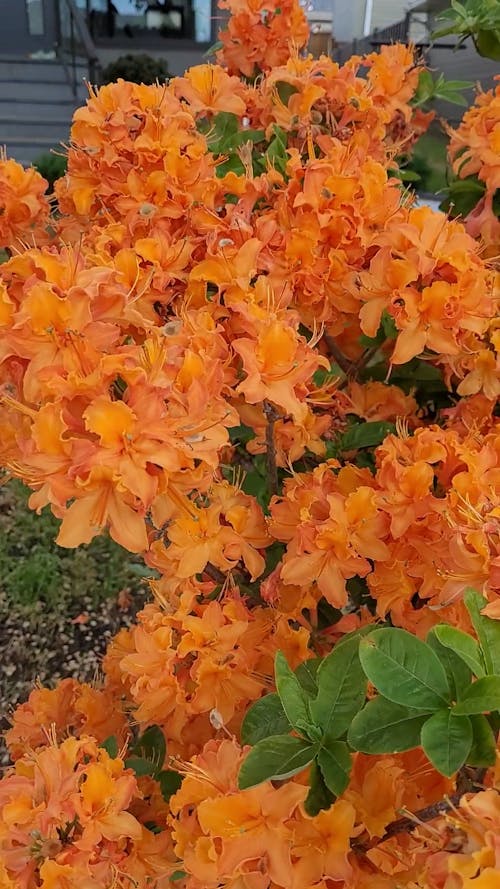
[140, 68]
[442, 695]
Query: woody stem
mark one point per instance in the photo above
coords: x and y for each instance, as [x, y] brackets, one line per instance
[467, 780]
[272, 469]
[336, 354]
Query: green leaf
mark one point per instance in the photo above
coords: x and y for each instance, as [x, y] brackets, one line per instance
[384, 727]
[170, 782]
[275, 759]
[151, 747]
[285, 90]
[447, 740]
[319, 796]
[488, 630]
[341, 689]
[294, 699]
[463, 645]
[335, 762]
[277, 154]
[264, 718]
[462, 195]
[483, 696]
[458, 674]
[256, 485]
[365, 435]
[178, 875]
[241, 434]
[110, 745]
[404, 669]
[141, 766]
[307, 674]
[213, 48]
[483, 750]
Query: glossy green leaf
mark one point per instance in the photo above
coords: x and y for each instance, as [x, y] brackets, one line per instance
[307, 674]
[483, 750]
[385, 727]
[404, 669]
[319, 796]
[463, 645]
[294, 699]
[141, 766]
[150, 747]
[275, 759]
[447, 740]
[335, 762]
[458, 674]
[488, 631]
[365, 435]
[483, 696]
[341, 690]
[110, 745]
[264, 718]
[170, 782]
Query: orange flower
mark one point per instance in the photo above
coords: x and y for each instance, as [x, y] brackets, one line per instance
[24, 209]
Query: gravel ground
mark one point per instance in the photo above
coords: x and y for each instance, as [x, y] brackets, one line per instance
[38, 644]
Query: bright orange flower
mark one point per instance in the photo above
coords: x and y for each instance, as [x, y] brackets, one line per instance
[24, 209]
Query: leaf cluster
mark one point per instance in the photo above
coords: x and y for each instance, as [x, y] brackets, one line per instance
[442, 695]
[479, 19]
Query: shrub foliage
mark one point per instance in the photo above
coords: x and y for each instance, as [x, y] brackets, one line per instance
[234, 343]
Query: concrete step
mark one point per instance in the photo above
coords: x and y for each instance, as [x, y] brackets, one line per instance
[26, 110]
[20, 69]
[49, 128]
[38, 91]
[26, 150]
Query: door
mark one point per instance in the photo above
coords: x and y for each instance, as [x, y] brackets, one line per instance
[26, 26]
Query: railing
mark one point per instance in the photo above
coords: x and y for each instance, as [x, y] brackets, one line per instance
[74, 43]
[397, 33]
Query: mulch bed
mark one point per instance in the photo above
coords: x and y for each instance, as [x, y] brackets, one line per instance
[44, 646]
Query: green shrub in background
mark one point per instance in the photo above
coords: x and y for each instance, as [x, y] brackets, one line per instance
[140, 68]
[51, 166]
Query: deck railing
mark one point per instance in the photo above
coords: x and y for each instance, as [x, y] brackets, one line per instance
[75, 44]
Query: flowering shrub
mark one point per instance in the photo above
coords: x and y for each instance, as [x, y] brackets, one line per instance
[238, 347]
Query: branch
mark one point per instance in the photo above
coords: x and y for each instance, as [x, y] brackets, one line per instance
[336, 354]
[214, 574]
[272, 469]
[468, 780]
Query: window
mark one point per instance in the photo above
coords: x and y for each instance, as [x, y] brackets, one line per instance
[35, 17]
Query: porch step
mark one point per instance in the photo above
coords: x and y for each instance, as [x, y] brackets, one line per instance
[36, 106]
[13, 127]
[35, 70]
[40, 90]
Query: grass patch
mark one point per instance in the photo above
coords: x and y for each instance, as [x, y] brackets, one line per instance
[34, 569]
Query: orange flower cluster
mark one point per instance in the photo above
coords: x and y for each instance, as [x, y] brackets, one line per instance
[263, 838]
[426, 524]
[24, 209]
[64, 816]
[177, 668]
[474, 150]
[68, 357]
[69, 708]
[237, 347]
[260, 35]
[258, 838]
